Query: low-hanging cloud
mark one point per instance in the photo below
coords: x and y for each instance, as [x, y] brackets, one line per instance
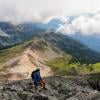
[85, 24]
[18, 11]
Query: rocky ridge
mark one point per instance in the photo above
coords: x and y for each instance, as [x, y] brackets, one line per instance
[58, 88]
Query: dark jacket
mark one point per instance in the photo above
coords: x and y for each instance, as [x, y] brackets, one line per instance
[36, 76]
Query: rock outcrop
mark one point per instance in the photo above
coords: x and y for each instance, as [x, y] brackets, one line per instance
[58, 88]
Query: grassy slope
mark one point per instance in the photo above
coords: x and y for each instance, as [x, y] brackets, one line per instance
[12, 52]
[1, 46]
[62, 66]
[80, 53]
[96, 67]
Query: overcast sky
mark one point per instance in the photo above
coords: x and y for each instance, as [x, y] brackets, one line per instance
[85, 24]
[19, 11]
[42, 10]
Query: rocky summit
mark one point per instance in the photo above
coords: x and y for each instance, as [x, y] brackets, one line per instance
[57, 88]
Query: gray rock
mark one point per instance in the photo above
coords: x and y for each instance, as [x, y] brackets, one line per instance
[58, 88]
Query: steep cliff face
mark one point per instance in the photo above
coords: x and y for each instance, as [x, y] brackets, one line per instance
[58, 88]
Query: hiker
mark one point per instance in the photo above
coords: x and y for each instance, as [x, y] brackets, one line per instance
[37, 79]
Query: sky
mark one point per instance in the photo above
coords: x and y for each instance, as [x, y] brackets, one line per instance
[19, 11]
[85, 24]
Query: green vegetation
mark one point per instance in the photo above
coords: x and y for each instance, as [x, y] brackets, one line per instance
[62, 66]
[96, 67]
[75, 58]
[1, 46]
[12, 52]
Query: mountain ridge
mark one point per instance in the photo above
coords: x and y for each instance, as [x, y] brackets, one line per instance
[21, 32]
[42, 48]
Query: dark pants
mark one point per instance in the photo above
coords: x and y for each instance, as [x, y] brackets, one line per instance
[36, 84]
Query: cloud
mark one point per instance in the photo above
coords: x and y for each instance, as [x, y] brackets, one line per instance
[85, 24]
[3, 34]
[18, 11]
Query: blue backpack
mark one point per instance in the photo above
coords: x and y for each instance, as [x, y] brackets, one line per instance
[36, 76]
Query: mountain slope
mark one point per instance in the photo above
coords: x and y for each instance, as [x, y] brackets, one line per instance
[25, 58]
[90, 41]
[78, 51]
[42, 48]
[14, 34]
